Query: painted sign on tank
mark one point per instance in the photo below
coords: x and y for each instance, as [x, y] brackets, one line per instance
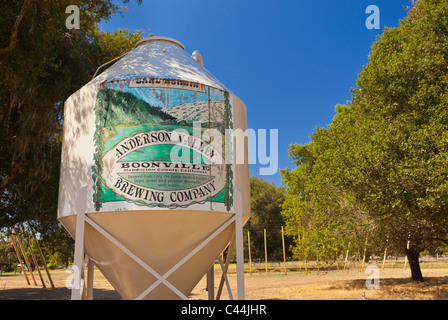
[161, 143]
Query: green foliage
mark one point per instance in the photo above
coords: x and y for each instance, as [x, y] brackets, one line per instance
[109, 45]
[380, 168]
[8, 257]
[57, 246]
[42, 63]
[266, 200]
[321, 216]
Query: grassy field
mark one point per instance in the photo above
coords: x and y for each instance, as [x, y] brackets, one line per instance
[426, 262]
[325, 283]
[329, 284]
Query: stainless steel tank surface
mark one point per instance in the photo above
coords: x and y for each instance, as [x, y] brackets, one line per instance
[146, 158]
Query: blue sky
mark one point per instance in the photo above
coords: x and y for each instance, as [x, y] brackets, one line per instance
[290, 61]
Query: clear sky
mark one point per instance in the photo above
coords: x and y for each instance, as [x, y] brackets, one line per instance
[289, 61]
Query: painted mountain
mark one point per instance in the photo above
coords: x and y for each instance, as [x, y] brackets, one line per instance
[198, 111]
[121, 108]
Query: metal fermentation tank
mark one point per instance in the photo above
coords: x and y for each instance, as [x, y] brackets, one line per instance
[140, 164]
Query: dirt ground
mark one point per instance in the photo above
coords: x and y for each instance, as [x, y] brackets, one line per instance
[394, 284]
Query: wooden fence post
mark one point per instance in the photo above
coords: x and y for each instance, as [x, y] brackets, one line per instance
[337, 260]
[41, 256]
[11, 236]
[25, 257]
[284, 253]
[364, 255]
[250, 257]
[346, 256]
[33, 256]
[384, 258]
[265, 252]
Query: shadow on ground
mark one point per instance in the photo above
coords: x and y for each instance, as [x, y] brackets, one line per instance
[53, 294]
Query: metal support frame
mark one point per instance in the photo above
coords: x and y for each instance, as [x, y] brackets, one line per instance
[79, 290]
[211, 282]
[78, 285]
[224, 277]
[239, 244]
[78, 263]
[90, 274]
[237, 239]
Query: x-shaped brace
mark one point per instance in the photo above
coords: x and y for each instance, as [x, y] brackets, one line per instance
[160, 278]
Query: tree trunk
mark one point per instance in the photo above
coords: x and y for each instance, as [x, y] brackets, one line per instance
[414, 264]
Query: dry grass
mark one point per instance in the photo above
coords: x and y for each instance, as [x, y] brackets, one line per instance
[395, 284]
[433, 288]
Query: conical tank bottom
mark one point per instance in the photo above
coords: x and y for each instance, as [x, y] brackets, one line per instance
[160, 240]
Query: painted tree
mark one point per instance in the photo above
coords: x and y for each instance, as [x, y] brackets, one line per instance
[385, 154]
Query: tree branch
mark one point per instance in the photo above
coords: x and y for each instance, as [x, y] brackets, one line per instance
[7, 179]
[15, 29]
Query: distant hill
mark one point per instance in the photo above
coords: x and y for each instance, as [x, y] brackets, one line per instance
[126, 108]
[198, 111]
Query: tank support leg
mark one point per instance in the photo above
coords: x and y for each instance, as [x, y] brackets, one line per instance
[224, 273]
[239, 244]
[211, 283]
[78, 263]
[89, 283]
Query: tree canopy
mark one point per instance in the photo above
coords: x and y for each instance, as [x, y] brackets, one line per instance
[379, 170]
[266, 201]
[42, 63]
